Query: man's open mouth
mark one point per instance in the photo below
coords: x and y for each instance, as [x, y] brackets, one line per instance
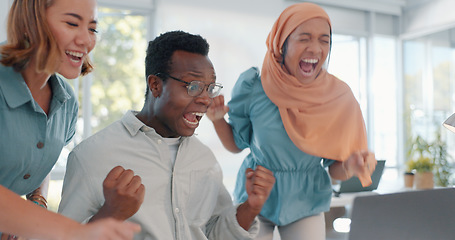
[193, 118]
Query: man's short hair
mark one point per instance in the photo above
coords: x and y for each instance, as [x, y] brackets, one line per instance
[160, 50]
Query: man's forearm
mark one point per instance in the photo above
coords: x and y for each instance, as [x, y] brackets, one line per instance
[245, 215]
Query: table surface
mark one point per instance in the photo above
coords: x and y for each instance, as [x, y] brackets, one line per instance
[345, 199]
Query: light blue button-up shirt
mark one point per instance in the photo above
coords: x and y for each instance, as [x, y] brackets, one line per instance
[31, 141]
[303, 186]
[184, 200]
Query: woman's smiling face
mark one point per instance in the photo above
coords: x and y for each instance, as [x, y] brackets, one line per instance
[73, 25]
[307, 49]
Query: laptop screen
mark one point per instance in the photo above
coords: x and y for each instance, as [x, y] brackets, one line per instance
[353, 184]
[416, 215]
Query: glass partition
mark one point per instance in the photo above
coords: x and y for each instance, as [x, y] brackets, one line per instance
[429, 86]
[429, 96]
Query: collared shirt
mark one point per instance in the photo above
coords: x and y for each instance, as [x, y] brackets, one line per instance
[30, 140]
[185, 200]
[302, 187]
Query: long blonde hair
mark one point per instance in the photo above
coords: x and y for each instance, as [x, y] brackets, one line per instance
[29, 36]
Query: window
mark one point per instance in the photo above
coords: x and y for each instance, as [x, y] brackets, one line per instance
[384, 110]
[429, 93]
[346, 62]
[376, 95]
[384, 96]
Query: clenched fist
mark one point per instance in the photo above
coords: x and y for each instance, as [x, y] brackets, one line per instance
[259, 184]
[123, 192]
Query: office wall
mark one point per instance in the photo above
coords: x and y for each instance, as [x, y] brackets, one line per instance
[428, 17]
[424, 16]
[344, 20]
[140, 4]
[349, 21]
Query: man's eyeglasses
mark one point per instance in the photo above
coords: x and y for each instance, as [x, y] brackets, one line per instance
[195, 88]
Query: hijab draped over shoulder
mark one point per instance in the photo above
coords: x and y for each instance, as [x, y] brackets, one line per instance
[322, 118]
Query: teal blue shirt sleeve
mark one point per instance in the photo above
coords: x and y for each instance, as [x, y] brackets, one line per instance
[239, 107]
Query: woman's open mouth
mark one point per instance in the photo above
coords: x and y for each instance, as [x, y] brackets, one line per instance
[308, 66]
[75, 57]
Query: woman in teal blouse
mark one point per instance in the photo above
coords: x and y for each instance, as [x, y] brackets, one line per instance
[38, 113]
[304, 183]
[296, 119]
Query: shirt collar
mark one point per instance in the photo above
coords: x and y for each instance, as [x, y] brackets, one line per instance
[134, 125]
[13, 87]
[16, 92]
[58, 88]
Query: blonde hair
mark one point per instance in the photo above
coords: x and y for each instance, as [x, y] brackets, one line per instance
[29, 36]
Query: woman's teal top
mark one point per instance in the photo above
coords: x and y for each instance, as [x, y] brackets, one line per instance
[303, 186]
[31, 140]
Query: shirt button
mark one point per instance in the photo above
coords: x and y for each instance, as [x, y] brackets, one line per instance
[40, 145]
[27, 176]
[159, 141]
[177, 210]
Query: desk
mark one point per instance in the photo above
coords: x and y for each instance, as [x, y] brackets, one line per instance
[345, 199]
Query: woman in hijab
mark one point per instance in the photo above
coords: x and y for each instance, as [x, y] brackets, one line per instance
[292, 117]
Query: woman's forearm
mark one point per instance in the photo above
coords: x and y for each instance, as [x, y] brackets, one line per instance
[23, 218]
[224, 132]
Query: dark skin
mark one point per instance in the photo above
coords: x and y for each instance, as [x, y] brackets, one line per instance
[123, 193]
[173, 113]
[169, 103]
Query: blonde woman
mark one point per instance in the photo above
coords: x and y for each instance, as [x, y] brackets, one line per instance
[38, 112]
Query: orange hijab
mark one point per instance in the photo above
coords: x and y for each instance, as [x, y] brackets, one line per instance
[322, 118]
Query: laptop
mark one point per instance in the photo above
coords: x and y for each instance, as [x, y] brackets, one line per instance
[416, 215]
[353, 184]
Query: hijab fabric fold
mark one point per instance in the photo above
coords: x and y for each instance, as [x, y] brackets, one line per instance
[322, 118]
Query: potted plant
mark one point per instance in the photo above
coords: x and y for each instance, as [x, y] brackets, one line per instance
[423, 167]
[438, 157]
[442, 162]
[409, 178]
[420, 163]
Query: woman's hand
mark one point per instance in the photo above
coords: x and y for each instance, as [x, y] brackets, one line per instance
[217, 109]
[104, 229]
[362, 165]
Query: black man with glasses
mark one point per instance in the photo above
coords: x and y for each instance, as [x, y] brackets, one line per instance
[155, 149]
